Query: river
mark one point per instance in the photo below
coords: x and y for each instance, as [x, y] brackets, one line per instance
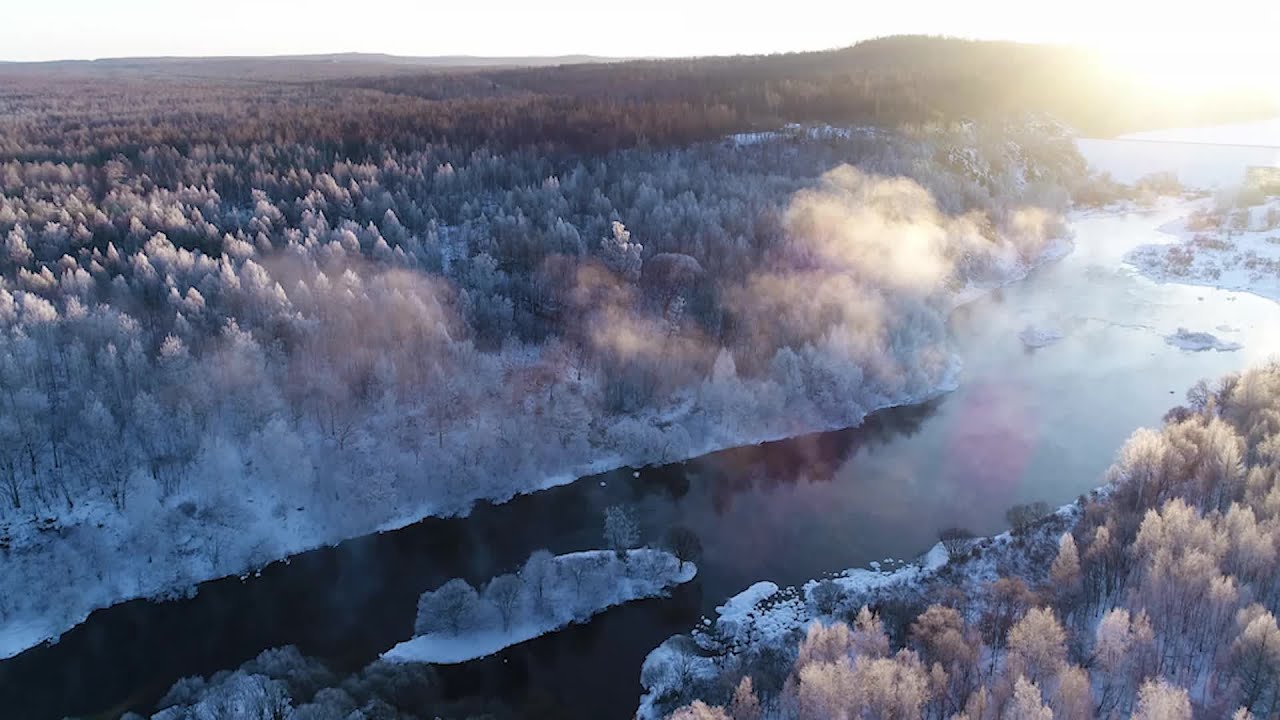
[1025, 424]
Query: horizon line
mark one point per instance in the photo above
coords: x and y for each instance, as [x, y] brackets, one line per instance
[554, 56]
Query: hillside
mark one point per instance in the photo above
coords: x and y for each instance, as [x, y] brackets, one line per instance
[355, 105]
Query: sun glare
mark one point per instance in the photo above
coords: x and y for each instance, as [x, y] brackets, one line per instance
[1246, 60]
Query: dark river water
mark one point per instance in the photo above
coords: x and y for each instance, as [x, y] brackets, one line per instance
[1025, 425]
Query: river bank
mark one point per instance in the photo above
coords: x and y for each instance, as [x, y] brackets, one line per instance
[739, 413]
[1226, 250]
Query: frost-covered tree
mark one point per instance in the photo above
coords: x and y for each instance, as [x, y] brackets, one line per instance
[826, 596]
[745, 705]
[622, 255]
[943, 641]
[450, 608]
[1072, 698]
[539, 576]
[1009, 599]
[827, 690]
[1065, 574]
[1255, 660]
[1026, 703]
[825, 644]
[1037, 646]
[621, 530]
[1159, 700]
[700, 711]
[504, 593]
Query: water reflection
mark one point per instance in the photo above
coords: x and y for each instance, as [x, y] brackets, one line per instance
[815, 458]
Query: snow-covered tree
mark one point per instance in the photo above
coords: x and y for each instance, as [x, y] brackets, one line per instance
[504, 593]
[1159, 700]
[621, 531]
[450, 608]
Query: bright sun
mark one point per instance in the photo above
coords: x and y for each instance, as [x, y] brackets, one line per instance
[1214, 57]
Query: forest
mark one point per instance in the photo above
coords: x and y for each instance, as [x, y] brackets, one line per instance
[1154, 597]
[231, 335]
[245, 315]
[356, 107]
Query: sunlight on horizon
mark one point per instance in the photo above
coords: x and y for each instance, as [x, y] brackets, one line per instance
[1228, 44]
[1245, 61]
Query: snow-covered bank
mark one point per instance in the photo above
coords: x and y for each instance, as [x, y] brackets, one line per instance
[215, 448]
[59, 564]
[1013, 268]
[585, 584]
[96, 556]
[1136, 588]
[1227, 249]
[766, 619]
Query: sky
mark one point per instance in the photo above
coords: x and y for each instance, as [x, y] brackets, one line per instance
[1173, 36]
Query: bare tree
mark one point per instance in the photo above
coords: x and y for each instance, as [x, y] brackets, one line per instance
[684, 544]
[956, 540]
[1022, 517]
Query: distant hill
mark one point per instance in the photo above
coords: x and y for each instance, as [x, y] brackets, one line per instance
[355, 104]
[885, 81]
[285, 68]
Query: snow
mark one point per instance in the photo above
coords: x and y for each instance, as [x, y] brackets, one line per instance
[764, 615]
[99, 556]
[1015, 269]
[624, 584]
[740, 611]
[152, 568]
[1200, 157]
[861, 581]
[795, 131]
[1264, 133]
[765, 610]
[755, 138]
[1199, 341]
[761, 615]
[1194, 164]
[740, 605]
[1239, 258]
[1038, 337]
[25, 634]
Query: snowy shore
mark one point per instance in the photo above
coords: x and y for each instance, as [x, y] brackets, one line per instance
[765, 617]
[70, 570]
[1237, 250]
[1241, 251]
[607, 581]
